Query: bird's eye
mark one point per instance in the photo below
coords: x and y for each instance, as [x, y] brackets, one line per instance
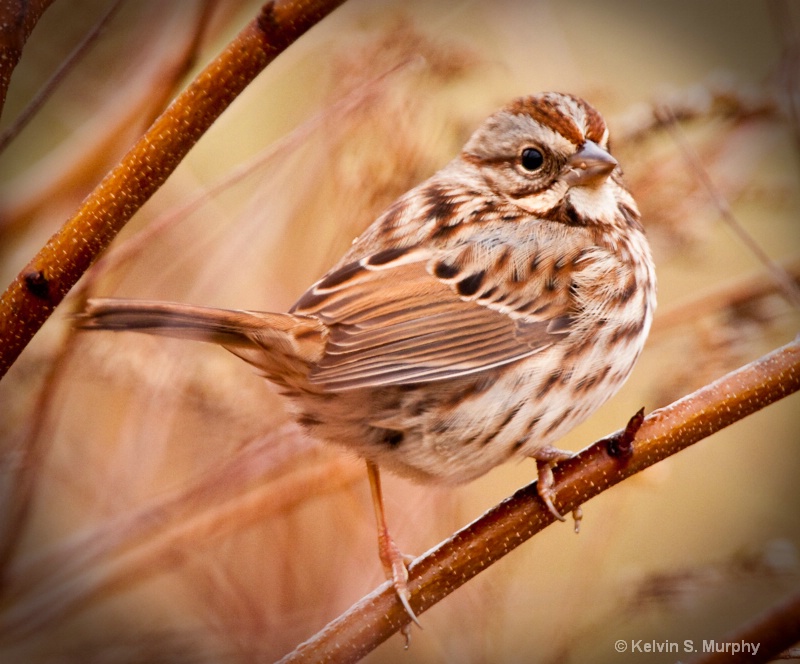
[531, 159]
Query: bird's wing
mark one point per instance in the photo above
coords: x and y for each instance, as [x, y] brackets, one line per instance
[412, 315]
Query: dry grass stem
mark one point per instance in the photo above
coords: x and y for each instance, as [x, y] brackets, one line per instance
[259, 461]
[58, 76]
[717, 99]
[41, 286]
[335, 114]
[734, 294]
[787, 285]
[29, 451]
[89, 152]
[156, 539]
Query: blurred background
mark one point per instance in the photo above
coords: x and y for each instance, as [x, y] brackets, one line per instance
[157, 504]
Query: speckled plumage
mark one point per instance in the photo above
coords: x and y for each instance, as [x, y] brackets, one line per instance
[481, 317]
[487, 312]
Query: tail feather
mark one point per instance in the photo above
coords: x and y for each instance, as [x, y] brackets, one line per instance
[222, 326]
[275, 338]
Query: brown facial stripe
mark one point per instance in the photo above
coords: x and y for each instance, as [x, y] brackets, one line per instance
[529, 189]
[546, 113]
[595, 125]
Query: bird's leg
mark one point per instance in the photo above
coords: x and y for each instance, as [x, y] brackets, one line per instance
[546, 459]
[394, 562]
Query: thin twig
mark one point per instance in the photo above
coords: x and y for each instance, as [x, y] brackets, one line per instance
[714, 99]
[787, 285]
[44, 93]
[784, 25]
[664, 432]
[331, 115]
[773, 632]
[726, 296]
[66, 174]
[18, 18]
[40, 287]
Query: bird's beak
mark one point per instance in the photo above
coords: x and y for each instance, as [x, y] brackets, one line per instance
[589, 166]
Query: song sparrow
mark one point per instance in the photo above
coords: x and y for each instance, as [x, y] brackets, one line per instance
[478, 319]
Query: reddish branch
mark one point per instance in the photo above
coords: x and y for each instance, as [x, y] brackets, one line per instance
[18, 18]
[774, 631]
[503, 528]
[40, 287]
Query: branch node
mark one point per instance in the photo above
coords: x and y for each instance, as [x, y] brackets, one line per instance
[270, 27]
[37, 284]
[620, 444]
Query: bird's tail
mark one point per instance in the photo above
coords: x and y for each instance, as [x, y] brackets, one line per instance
[275, 343]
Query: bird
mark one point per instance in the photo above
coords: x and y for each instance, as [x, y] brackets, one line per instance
[479, 318]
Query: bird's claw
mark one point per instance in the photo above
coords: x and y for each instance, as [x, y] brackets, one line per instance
[546, 459]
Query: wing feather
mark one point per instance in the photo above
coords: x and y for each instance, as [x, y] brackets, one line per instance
[395, 323]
